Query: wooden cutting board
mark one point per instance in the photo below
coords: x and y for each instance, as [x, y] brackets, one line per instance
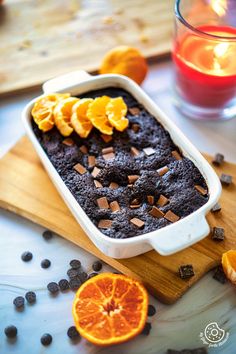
[26, 189]
[45, 38]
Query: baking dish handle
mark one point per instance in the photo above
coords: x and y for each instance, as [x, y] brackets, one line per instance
[185, 233]
[63, 82]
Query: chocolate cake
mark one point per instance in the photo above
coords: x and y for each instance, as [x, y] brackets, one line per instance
[133, 184]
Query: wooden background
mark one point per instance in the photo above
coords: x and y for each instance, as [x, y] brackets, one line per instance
[40, 39]
[26, 189]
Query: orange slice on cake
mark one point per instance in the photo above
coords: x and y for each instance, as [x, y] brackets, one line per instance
[62, 115]
[79, 120]
[110, 309]
[97, 115]
[116, 110]
[43, 110]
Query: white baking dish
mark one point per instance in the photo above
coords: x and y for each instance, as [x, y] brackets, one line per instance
[167, 240]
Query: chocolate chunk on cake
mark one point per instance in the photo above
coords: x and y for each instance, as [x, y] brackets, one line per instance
[106, 174]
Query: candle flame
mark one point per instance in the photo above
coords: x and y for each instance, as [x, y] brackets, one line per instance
[219, 52]
[219, 7]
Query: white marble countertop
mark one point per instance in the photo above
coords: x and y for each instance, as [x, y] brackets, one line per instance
[177, 326]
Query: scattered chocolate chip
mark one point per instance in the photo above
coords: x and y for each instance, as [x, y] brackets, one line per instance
[218, 159]
[162, 171]
[201, 190]
[147, 329]
[63, 284]
[219, 275]
[156, 213]
[75, 264]
[10, 331]
[106, 138]
[73, 333]
[150, 199]
[80, 169]
[137, 222]
[218, 234]
[19, 302]
[75, 283]
[68, 142]
[91, 275]
[45, 263]
[133, 178]
[216, 208]
[83, 149]
[134, 151]
[30, 297]
[186, 271]
[149, 151]
[107, 150]
[151, 310]
[83, 276]
[114, 206]
[135, 127]
[95, 172]
[91, 161]
[46, 339]
[226, 180]
[109, 156]
[97, 184]
[26, 256]
[53, 287]
[47, 235]
[134, 111]
[162, 201]
[176, 155]
[113, 185]
[97, 266]
[72, 273]
[104, 224]
[102, 203]
[170, 216]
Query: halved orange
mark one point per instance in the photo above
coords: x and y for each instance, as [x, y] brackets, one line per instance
[42, 111]
[116, 110]
[62, 115]
[110, 309]
[97, 115]
[229, 265]
[79, 120]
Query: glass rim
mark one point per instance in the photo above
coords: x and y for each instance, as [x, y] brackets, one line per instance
[181, 18]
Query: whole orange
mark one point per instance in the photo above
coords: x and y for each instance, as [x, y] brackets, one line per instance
[127, 61]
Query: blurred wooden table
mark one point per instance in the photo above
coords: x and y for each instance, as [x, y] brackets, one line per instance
[177, 326]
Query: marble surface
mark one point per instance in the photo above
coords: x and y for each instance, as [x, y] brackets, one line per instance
[177, 326]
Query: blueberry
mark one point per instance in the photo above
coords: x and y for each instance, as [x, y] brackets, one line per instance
[26, 256]
[10, 331]
[46, 339]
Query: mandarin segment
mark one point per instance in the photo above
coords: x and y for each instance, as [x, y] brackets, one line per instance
[116, 110]
[97, 115]
[62, 115]
[110, 318]
[79, 120]
[229, 265]
[43, 109]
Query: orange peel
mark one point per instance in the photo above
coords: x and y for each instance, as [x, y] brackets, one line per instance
[110, 309]
[229, 265]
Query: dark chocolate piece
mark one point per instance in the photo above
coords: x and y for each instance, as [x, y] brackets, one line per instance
[218, 234]
[226, 180]
[186, 271]
[219, 275]
[218, 159]
[216, 208]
